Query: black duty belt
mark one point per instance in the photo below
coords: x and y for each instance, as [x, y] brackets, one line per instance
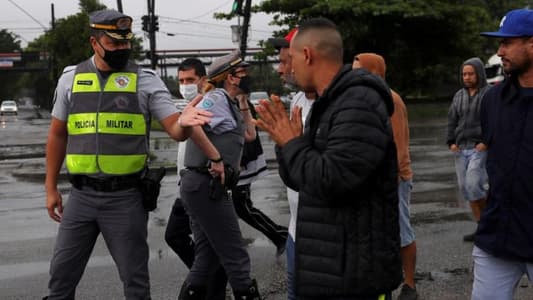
[106, 184]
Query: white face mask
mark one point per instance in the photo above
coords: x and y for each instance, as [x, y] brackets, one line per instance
[188, 91]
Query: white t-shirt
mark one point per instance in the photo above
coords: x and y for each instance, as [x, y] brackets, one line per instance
[292, 196]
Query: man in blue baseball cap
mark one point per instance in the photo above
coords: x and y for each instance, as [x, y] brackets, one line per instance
[504, 238]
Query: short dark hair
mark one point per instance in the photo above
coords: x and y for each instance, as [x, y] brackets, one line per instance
[97, 33]
[323, 35]
[316, 23]
[193, 63]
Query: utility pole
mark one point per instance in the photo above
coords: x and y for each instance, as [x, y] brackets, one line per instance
[119, 5]
[53, 54]
[152, 26]
[245, 25]
[52, 59]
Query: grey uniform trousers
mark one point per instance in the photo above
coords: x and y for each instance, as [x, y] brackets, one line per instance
[122, 220]
[216, 231]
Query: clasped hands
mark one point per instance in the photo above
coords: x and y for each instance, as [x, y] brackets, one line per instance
[276, 122]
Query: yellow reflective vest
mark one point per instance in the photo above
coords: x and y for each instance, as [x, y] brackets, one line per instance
[107, 131]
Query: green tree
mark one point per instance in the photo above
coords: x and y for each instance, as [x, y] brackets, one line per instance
[424, 42]
[9, 42]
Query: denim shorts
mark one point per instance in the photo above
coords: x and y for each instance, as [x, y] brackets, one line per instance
[471, 173]
[496, 278]
[407, 235]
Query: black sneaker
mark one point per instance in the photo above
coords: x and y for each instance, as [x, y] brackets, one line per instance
[407, 293]
[468, 237]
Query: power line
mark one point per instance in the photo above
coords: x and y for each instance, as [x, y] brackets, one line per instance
[214, 9]
[28, 14]
[37, 29]
[178, 21]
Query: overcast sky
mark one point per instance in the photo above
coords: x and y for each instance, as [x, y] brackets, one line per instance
[191, 22]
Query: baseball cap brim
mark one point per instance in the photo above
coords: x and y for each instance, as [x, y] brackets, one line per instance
[498, 34]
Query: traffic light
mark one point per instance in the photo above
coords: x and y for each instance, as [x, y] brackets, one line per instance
[236, 8]
[156, 23]
[146, 22]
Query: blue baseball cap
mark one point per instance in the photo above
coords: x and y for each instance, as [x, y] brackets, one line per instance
[516, 23]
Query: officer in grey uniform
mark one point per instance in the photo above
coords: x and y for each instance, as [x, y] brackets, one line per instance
[100, 127]
[205, 180]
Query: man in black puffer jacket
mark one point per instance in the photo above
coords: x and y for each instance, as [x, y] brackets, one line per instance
[344, 166]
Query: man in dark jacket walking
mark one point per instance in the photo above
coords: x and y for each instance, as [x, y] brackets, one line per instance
[345, 169]
[503, 250]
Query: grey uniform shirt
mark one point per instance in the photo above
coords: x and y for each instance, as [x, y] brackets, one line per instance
[153, 94]
[222, 120]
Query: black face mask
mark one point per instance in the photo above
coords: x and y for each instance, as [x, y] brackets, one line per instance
[245, 84]
[116, 59]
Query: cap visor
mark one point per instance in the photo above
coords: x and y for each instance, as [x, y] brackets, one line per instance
[279, 43]
[498, 34]
[242, 64]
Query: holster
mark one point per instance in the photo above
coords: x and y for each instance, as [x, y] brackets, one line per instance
[150, 186]
[216, 189]
[231, 176]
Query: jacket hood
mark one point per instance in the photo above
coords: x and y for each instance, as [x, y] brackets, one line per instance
[479, 67]
[348, 77]
[374, 63]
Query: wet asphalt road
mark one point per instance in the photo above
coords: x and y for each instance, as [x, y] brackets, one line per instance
[27, 234]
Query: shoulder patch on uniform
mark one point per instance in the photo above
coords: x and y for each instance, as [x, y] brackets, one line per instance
[149, 71]
[207, 103]
[68, 69]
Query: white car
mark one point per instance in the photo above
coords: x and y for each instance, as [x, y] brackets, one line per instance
[494, 70]
[8, 107]
[256, 96]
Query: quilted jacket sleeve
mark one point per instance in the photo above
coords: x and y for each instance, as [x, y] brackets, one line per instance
[346, 144]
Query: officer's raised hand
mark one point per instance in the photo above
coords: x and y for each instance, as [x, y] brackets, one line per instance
[192, 116]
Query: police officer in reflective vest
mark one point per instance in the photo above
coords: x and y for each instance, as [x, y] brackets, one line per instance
[100, 128]
[207, 177]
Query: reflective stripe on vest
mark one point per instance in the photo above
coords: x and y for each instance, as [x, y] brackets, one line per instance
[117, 123]
[107, 131]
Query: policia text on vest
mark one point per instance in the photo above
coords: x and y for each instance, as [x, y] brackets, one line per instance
[82, 124]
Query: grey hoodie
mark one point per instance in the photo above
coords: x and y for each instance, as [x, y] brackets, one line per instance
[464, 128]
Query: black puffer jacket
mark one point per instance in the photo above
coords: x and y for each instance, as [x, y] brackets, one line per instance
[344, 166]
